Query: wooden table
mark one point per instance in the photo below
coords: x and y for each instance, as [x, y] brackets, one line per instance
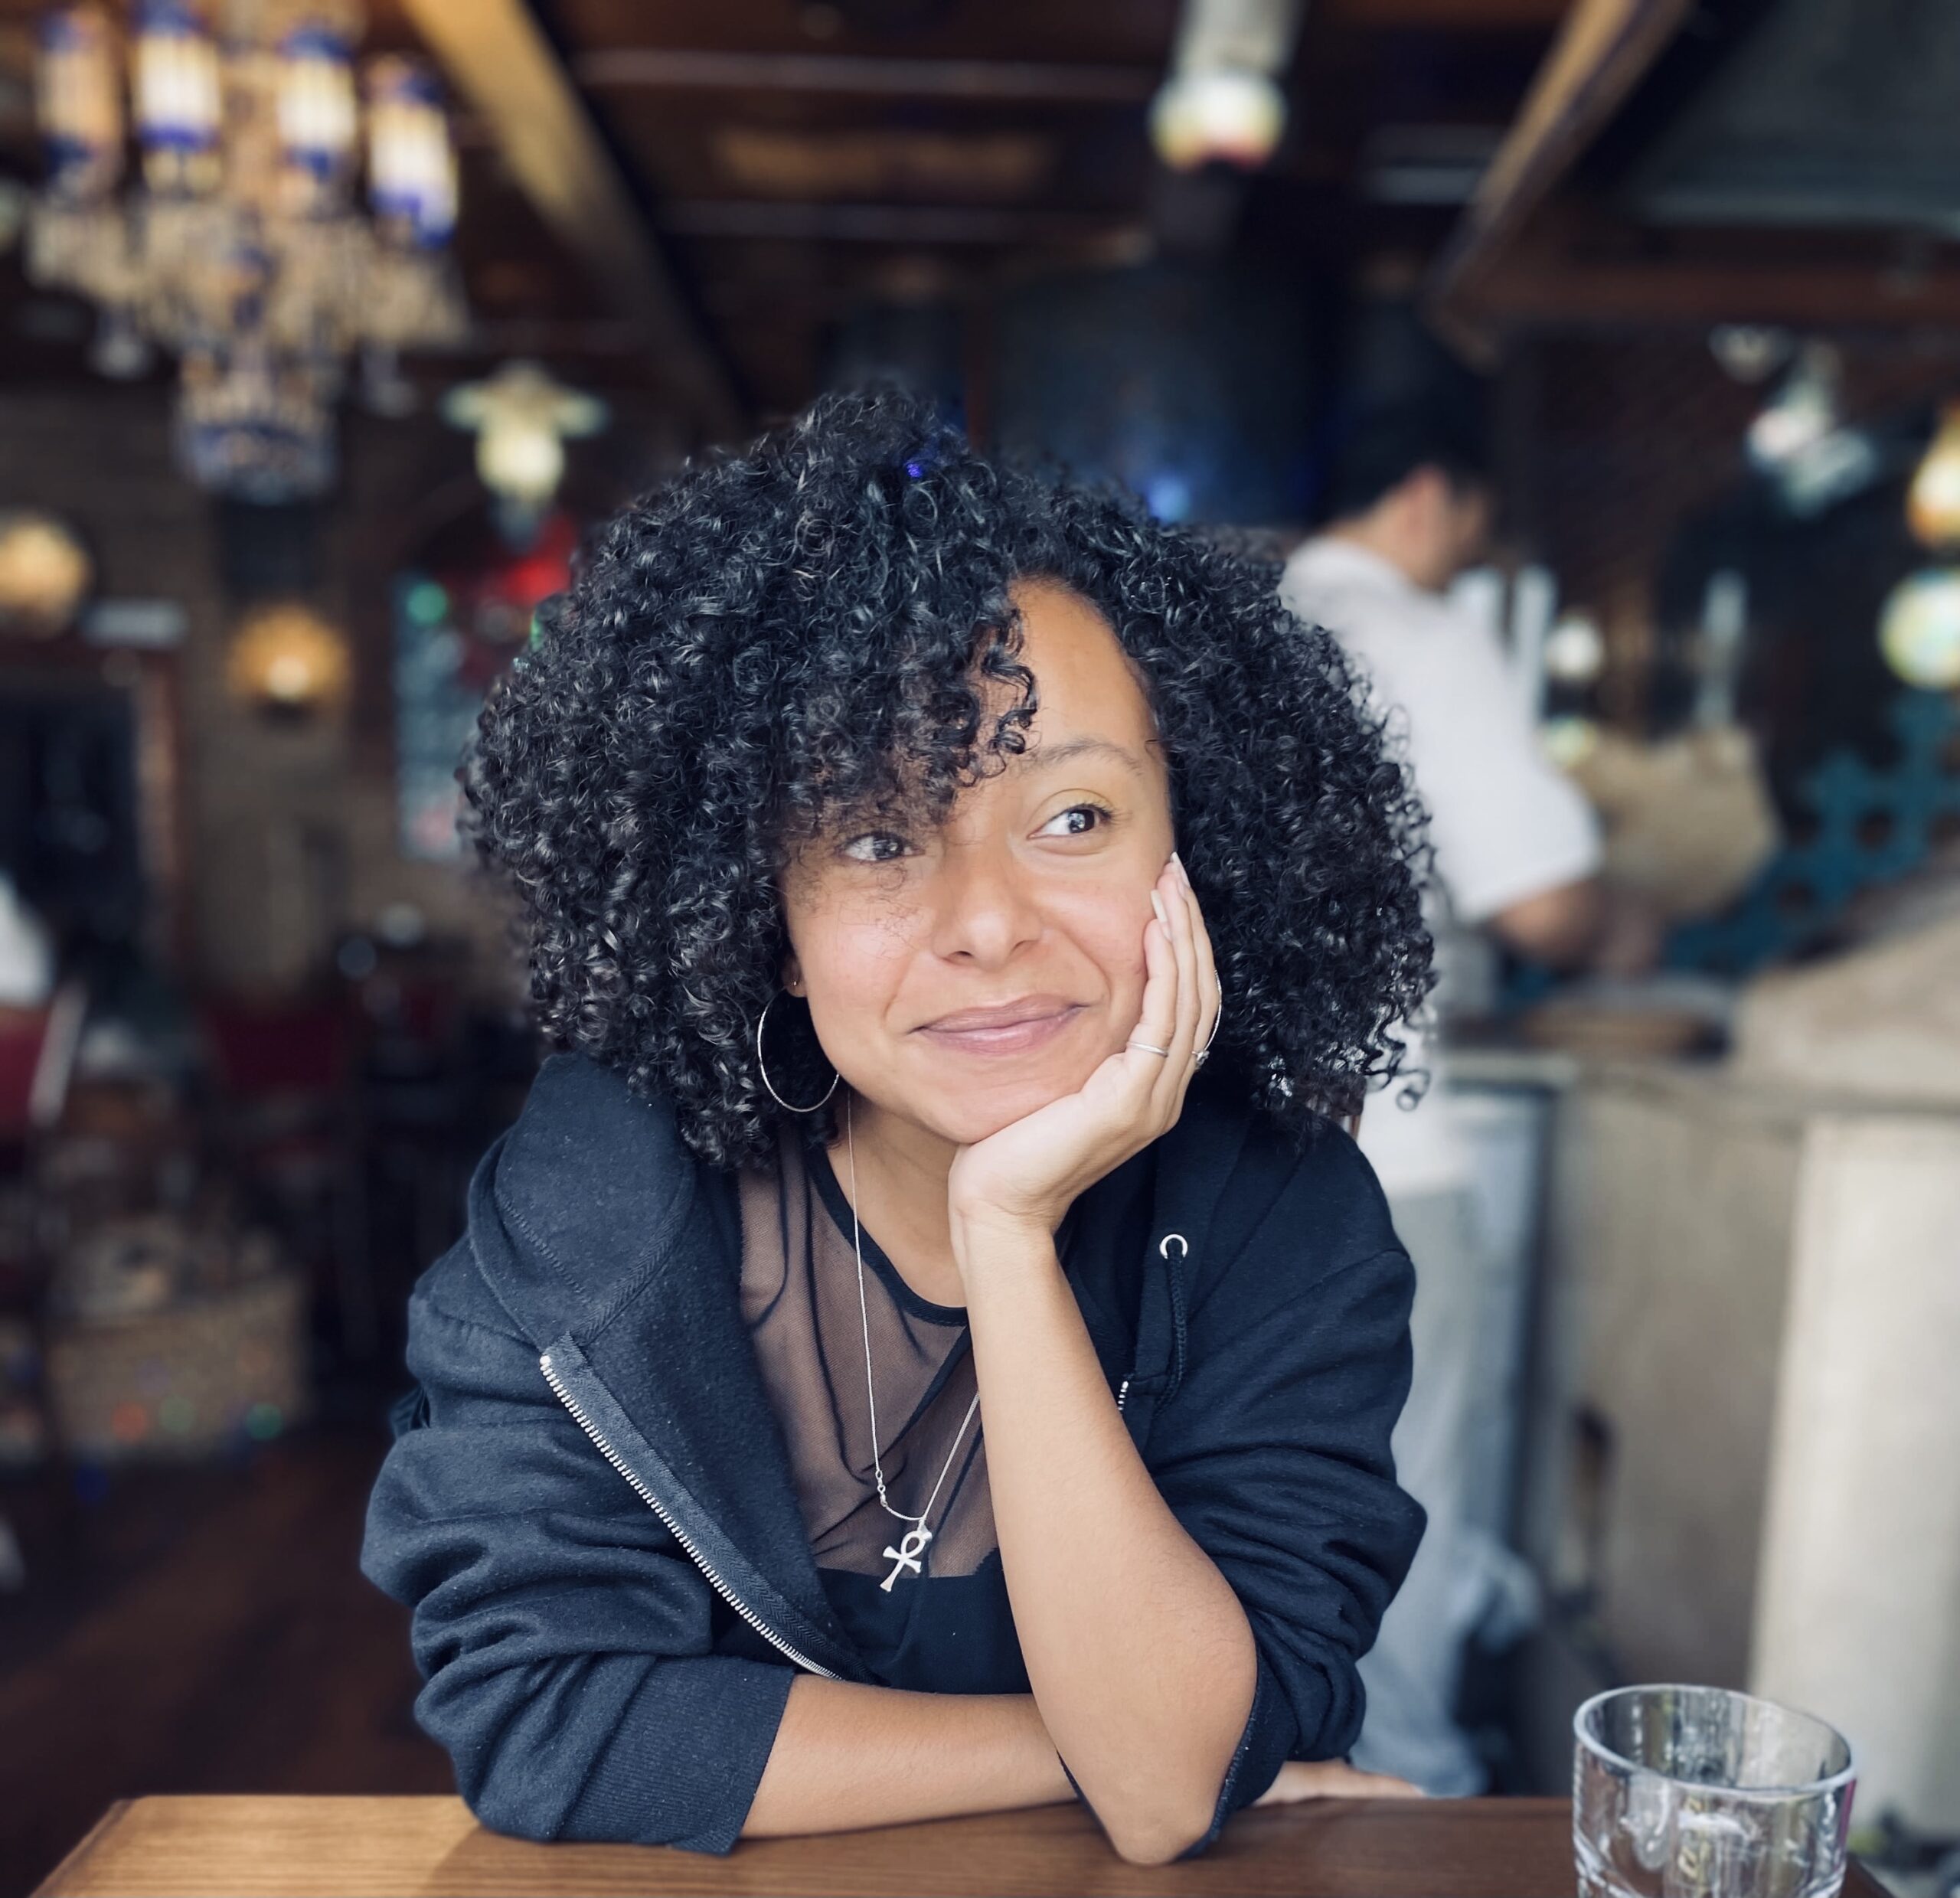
[429, 1847]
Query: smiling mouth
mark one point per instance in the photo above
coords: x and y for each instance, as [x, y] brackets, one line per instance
[1012, 1028]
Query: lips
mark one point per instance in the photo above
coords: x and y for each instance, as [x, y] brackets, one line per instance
[1011, 1027]
[1007, 1015]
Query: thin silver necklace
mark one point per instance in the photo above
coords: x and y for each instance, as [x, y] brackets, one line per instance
[912, 1545]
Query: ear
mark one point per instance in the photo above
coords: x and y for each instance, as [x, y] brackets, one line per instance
[792, 975]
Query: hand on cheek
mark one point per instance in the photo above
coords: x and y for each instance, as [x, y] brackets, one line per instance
[1026, 1175]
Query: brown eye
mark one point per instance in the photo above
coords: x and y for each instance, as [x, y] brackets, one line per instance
[876, 847]
[1077, 820]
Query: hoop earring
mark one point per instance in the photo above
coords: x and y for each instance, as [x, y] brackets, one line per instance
[789, 1106]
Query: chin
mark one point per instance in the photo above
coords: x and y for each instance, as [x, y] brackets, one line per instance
[970, 1114]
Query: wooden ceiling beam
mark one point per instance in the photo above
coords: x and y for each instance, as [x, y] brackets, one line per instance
[1603, 49]
[929, 225]
[1541, 289]
[1455, 16]
[499, 61]
[1016, 82]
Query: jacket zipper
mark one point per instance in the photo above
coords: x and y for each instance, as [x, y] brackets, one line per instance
[674, 1529]
[1123, 1391]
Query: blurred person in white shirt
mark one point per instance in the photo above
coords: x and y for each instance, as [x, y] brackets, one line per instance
[27, 952]
[1517, 859]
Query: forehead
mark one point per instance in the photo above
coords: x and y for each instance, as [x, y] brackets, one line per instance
[1085, 683]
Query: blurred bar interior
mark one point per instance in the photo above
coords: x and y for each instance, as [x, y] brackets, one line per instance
[325, 337]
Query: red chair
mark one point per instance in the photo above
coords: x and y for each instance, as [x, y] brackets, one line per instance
[287, 1120]
[264, 1053]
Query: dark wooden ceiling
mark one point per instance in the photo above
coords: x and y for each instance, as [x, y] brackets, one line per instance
[794, 161]
[1692, 163]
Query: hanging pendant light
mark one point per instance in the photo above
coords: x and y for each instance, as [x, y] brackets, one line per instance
[1919, 629]
[318, 120]
[78, 98]
[411, 162]
[1932, 502]
[522, 417]
[1800, 443]
[178, 99]
[1802, 414]
[1222, 101]
[1234, 117]
[74, 233]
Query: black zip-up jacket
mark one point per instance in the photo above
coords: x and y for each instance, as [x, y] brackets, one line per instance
[588, 1508]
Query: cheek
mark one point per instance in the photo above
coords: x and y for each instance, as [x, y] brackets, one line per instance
[852, 964]
[1107, 927]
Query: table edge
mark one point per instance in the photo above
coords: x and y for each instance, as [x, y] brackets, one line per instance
[58, 1881]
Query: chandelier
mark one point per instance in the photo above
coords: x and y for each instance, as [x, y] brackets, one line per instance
[242, 248]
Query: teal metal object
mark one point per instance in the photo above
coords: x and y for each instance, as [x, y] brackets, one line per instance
[1872, 827]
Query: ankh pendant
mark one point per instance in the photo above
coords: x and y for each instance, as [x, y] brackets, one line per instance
[906, 1555]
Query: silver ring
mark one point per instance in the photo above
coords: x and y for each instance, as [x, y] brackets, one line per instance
[1199, 1059]
[1148, 1049]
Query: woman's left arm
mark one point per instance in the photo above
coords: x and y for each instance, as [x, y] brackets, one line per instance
[1142, 1660]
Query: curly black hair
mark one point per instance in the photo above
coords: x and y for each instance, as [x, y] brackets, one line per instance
[819, 625]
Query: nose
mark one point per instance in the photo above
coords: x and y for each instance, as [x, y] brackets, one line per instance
[985, 911]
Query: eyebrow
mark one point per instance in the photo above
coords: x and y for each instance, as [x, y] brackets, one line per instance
[1037, 756]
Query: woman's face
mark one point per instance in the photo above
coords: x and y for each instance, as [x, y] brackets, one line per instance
[963, 976]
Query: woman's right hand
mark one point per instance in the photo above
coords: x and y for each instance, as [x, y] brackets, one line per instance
[1333, 1779]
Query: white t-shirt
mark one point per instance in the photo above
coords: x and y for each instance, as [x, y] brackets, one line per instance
[1506, 824]
[27, 955]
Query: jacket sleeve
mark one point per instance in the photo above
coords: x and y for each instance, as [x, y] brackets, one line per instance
[1273, 1453]
[563, 1636]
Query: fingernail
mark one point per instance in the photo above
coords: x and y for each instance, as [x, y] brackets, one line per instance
[1181, 870]
[1156, 903]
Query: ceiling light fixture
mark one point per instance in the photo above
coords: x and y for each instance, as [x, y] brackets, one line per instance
[1919, 629]
[1222, 101]
[1932, 502]
[242, 249]
[1799, 442]
[522, 417]
[1803, 411]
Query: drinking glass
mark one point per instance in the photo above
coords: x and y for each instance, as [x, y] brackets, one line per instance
[1698, 1792]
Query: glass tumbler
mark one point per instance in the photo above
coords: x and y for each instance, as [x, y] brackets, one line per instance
[1698, 1792]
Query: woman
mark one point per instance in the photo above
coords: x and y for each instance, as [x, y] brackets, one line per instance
[875, 1384]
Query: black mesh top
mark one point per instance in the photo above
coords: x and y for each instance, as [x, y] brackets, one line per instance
[946, 1628]
[799, 1295]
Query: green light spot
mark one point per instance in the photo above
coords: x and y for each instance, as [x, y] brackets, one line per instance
[177, 1415]
[427, 603]
[264, 1422]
